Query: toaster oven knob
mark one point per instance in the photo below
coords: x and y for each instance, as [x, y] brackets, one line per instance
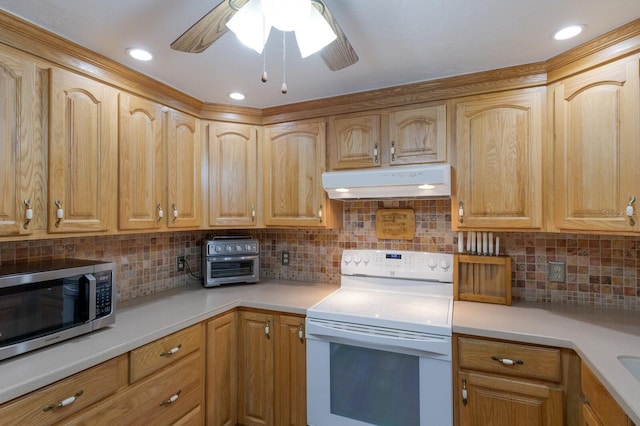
[218, 249]
[238, 247]
[229, 247]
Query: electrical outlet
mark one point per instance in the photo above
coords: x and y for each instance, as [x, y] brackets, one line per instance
[557, 272]
[180, 262]
[285, 257]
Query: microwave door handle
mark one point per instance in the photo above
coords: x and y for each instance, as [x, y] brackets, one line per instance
[92, 295]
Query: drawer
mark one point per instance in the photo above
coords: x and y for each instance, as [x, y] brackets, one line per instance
[91, 385]
[148, 401]
[533, 362]
[192, 418]
[158, 354]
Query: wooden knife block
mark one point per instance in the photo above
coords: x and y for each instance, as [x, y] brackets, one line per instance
[482, 278]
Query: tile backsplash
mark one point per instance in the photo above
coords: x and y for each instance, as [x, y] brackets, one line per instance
[601, 270]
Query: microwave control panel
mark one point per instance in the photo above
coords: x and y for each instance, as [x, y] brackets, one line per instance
[104, 293]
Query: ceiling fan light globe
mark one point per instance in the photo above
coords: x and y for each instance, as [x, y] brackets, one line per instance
[250, 25]
[286, 15]
[315, 34]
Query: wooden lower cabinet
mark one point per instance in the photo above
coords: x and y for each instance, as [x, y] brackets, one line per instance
[222, 370]
[506, 383]
[598, 406]
[272, 369]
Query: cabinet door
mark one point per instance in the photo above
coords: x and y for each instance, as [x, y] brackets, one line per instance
[597, 128]
[418, 135]
[82, 154]
[256, 369]
[222, 371]
[294, 160]
[354, 142]
[233, 175]
[291, 372]
[183, 170]
[141, 159]
[499, 170]
[17, 95]
[499, 401]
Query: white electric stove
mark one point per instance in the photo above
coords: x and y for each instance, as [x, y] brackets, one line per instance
[383, 338]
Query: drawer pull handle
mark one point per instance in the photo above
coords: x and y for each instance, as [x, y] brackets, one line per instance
[64, 402]
[171, 351]
[507, 361]
[171, 400]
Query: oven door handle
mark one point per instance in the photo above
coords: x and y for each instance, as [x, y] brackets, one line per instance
[396, 342]
[217, 259]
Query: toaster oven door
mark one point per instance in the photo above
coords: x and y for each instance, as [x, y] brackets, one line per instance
[231, 269]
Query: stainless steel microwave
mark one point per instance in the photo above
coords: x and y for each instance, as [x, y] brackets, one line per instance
[42, 303]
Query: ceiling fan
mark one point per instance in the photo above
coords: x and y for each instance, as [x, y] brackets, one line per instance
[337, 55]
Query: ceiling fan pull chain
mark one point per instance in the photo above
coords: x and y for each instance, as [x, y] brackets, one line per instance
[264, 53]
[284, 57]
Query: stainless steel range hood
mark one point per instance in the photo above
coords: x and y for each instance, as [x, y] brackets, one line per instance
[420, 181]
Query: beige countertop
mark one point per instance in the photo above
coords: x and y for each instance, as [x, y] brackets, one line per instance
[599, 336]
[146, 319]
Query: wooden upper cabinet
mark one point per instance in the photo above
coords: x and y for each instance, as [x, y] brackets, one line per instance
[17, 115]
[418, 135]
[499, 169]
[597, 150]
[233, 175]
[354, 142]
[141, 158]
[398, 137]
[82, 154]
[294, 159]
[183, 144]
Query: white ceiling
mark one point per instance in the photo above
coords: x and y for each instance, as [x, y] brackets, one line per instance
[398, 41]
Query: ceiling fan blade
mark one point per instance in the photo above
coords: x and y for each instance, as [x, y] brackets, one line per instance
[338, 54]
[208, 29]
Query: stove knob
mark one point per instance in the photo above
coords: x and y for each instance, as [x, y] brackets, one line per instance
[432, 264]
[365, 260]
[357, 260]
[444, 264]
[218, 249]
[347, 259]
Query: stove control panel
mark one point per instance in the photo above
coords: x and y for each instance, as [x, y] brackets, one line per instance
[398, 264]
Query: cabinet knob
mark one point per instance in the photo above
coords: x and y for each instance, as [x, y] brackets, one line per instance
[253, 213]
[301, 333]
[160, 212]
[320, 213]
[267, 328]
[175, 213]
[59, 213]
[375, 153]
[392, 150]
[630, 210]
[461, 212]
[28, 214]
[464, 391]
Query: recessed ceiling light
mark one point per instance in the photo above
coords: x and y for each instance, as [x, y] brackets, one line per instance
[568, 32]
[237, 96]
[139, 54]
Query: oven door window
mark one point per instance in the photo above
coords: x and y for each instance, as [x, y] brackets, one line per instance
[373, 386]
[232, 268]
[31, 310]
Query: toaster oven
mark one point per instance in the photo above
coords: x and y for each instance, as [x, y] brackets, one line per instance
[230, 260]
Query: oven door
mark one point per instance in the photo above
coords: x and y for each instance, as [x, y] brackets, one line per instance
[361, 376]
[220, 270]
